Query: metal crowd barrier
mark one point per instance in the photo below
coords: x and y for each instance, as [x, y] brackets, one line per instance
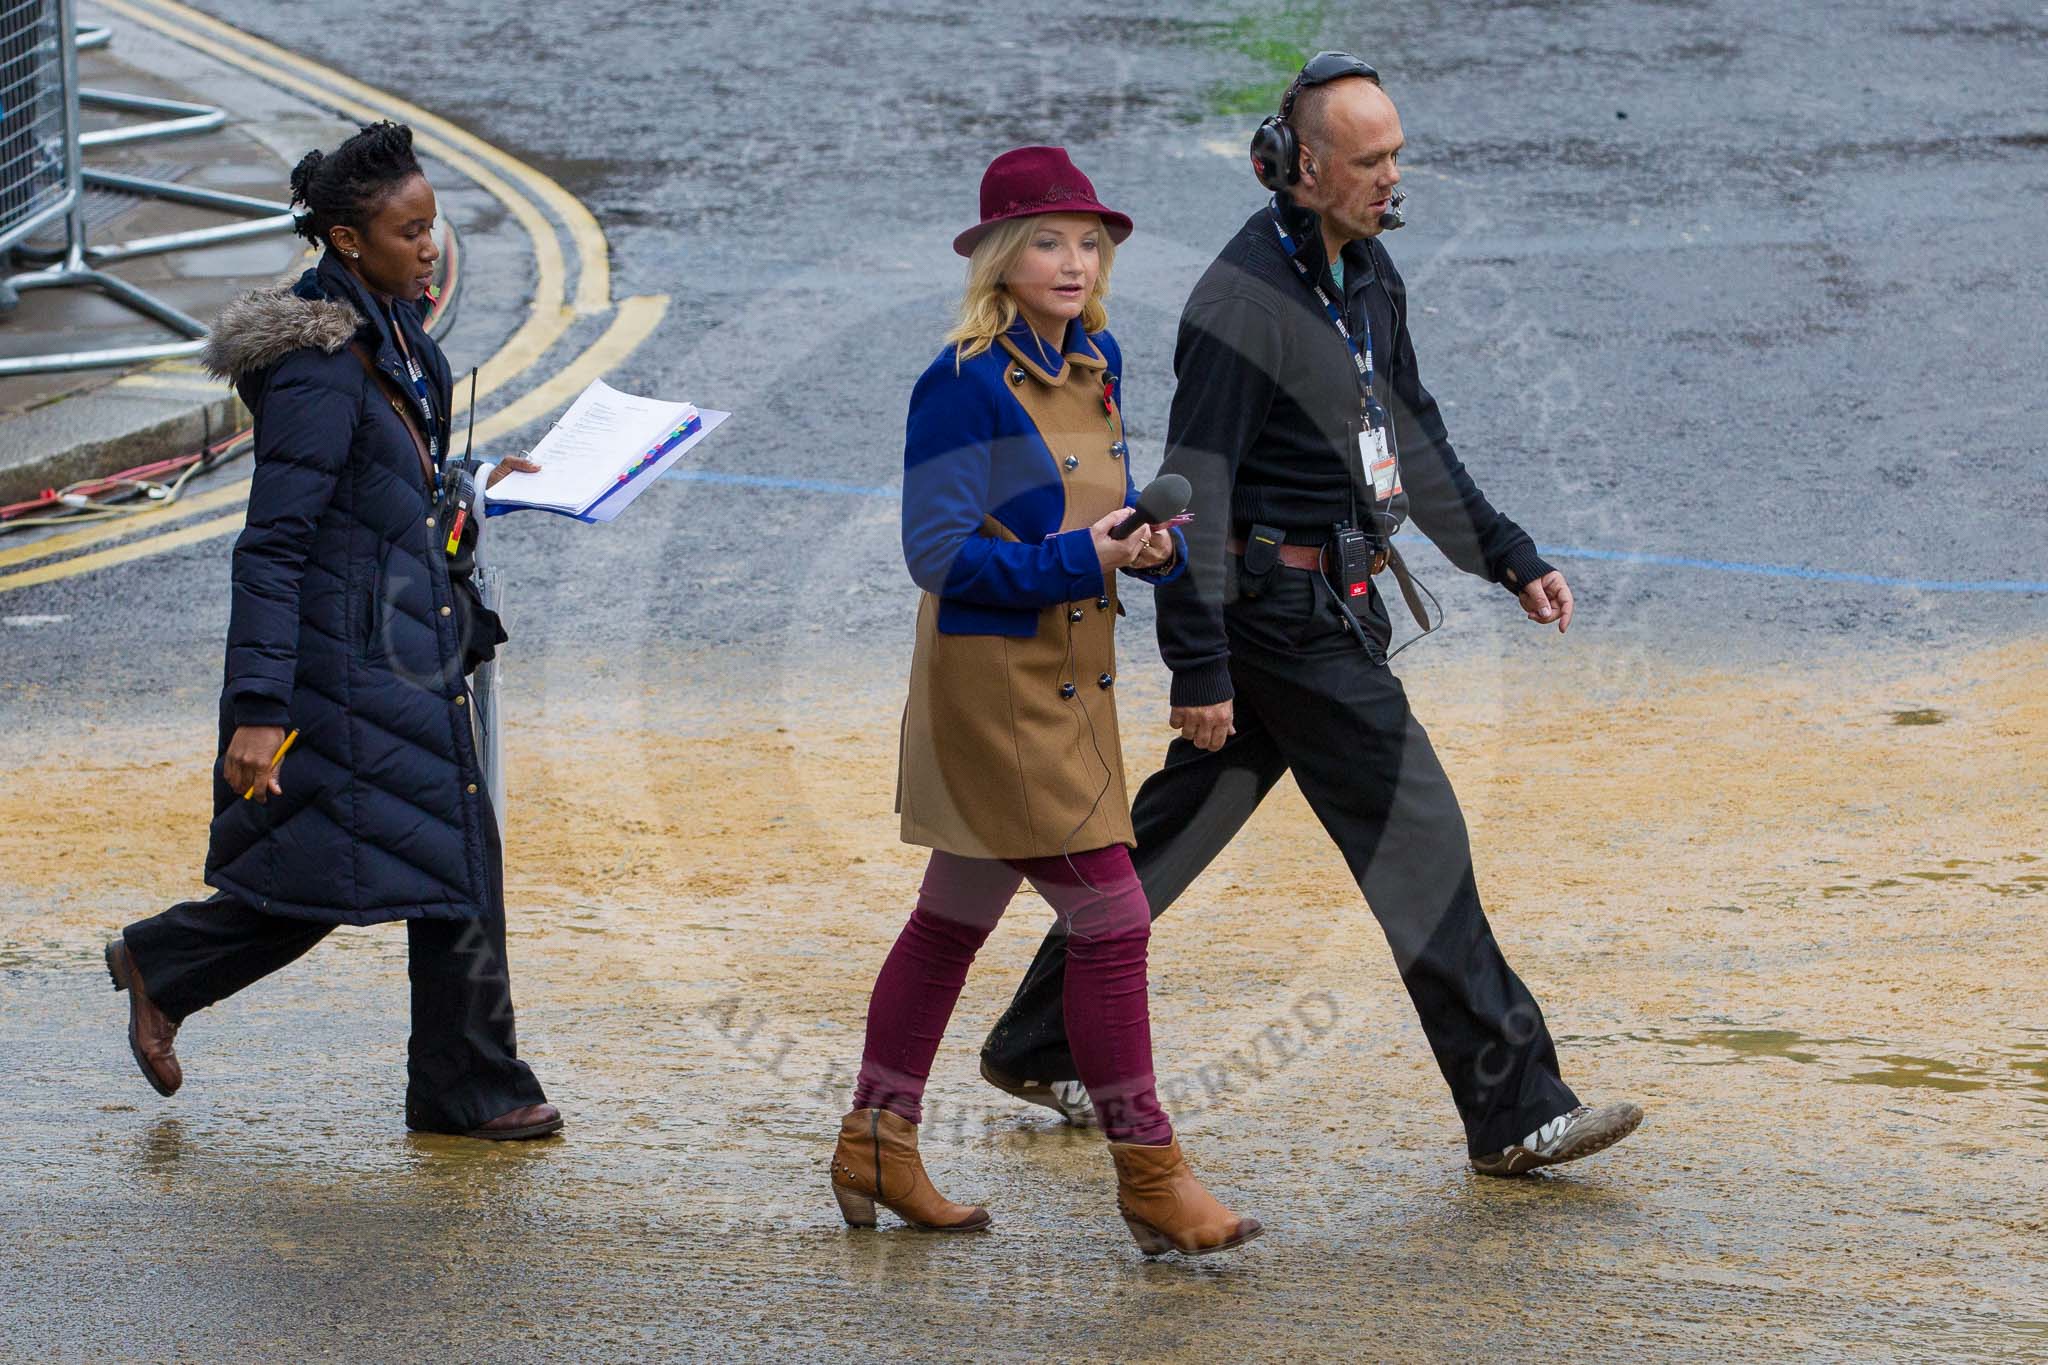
[53, 184]
[37, 183]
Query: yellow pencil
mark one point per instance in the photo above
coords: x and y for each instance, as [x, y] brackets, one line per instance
[275, 759]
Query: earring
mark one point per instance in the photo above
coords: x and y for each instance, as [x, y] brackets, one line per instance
[355, 255]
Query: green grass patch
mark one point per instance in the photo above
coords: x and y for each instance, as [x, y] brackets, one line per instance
[1277, 41]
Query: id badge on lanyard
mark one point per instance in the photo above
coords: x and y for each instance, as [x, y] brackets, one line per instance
[1381, 463]
[1375, 447]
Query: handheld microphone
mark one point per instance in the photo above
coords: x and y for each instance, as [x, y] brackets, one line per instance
[1166, 496]
[1393, 217]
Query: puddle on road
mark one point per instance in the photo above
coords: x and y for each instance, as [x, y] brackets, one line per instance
[1901, 1072]
[2024, 1068]
[1745, 1043]
[45, 957]
[1999, 876]
[1950, 871]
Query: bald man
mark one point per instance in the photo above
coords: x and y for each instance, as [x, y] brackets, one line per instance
[1304, 428]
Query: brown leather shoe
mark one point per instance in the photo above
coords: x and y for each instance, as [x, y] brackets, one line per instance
[149, 1031]
[527, 1121]
[876, 1162]
[1167, 1209]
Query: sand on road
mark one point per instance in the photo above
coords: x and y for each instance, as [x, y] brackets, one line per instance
[1797, 914]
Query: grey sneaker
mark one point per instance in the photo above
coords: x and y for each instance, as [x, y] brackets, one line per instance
[1068, 1099]
[1072, 1098]
[1582, 1132]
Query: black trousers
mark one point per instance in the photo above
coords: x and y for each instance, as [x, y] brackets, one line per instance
[462, 1061]
[1310, 700]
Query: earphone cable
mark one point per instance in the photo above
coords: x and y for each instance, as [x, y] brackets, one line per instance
[1095, 743]
[1417, 581]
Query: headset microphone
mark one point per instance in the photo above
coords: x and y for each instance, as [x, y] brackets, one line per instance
[1393, 217]
[1164, 498]
[1276, 151]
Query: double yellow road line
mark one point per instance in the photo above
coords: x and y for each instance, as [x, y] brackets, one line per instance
[527, 194]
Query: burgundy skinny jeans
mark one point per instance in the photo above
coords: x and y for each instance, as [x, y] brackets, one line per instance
[1101, 906]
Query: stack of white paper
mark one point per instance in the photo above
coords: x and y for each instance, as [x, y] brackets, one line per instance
[602, 453]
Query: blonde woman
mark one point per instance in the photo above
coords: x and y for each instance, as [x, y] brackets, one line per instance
[1015, 471]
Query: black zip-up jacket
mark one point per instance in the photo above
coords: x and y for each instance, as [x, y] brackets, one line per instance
[1266, 415]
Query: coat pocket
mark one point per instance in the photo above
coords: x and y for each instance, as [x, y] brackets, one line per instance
[362, 611]
[1322, 624]
[374, 606]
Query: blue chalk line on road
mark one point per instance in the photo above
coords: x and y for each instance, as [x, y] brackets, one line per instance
[773, 481]
[2000, 585]
[1794, 571]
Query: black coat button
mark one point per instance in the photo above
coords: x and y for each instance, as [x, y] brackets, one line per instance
[1017, 375]
[1104, 681]
[1074, 615]
[1102, 604]
[1067, 690]
[1071, 463]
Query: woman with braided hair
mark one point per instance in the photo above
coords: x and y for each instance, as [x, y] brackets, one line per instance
[353, 625]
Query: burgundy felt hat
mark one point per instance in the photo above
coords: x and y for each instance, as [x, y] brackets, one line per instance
[1029, 181]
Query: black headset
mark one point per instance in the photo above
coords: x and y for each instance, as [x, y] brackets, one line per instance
[1276, 152]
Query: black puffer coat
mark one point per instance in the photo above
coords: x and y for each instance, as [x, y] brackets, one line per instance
[349, 622]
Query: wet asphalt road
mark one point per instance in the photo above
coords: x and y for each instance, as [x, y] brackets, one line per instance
[1730, 282]
[1725, 282]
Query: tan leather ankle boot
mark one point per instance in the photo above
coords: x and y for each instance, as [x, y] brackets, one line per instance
[876, 1162]
[1166, 1207]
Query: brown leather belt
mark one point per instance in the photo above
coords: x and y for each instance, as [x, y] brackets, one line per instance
[1309, 557]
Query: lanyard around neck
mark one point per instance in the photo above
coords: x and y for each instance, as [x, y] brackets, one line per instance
[418, 375]
[1360, 348]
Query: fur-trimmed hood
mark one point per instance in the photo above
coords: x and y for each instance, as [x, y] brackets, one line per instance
[264, 326]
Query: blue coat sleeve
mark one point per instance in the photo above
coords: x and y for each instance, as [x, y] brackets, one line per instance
[948, 444]
[1159, 578]
[303, 437]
